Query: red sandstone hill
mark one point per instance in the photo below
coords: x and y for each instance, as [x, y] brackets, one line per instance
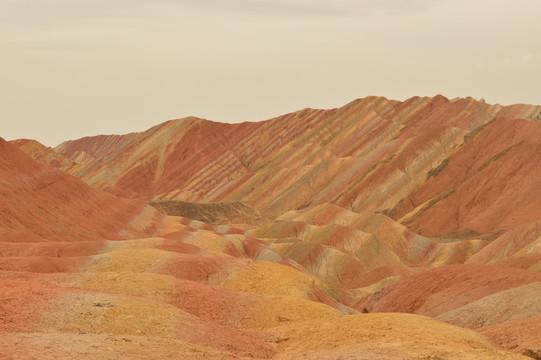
[42, 153]
[39, 203]
[452, 168]
[293, 228]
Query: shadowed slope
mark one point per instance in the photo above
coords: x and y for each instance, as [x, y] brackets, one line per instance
[229, 212]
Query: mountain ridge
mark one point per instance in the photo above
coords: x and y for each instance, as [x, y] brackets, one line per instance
[317, 224]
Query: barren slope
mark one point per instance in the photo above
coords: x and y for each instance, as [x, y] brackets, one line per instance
[291, 231]
[414, 160]
[39, 203]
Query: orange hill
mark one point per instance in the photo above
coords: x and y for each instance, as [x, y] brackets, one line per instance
[424, 162]
[285, 234]
[39, 203]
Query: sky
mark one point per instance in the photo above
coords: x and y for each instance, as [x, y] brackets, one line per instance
[74, 68]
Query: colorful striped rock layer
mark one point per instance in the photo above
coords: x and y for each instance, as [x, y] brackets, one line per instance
[379, 230]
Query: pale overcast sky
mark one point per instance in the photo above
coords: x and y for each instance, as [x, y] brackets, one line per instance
[72, 68]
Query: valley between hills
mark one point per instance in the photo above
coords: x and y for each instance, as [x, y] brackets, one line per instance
[382, 229]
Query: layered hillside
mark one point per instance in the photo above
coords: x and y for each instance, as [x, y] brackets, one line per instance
[452, 175]
[415, 160]
[94, 276]
[42, 153]
[40, 203]
[297, 237]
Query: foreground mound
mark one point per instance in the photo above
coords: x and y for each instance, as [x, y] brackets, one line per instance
[131, 301]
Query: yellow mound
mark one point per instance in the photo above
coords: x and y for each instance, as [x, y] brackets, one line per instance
[152, 286]
[263, 277]
[266, 312]
[128, 260]
[52, 346]
[83, 313]
[383, 336]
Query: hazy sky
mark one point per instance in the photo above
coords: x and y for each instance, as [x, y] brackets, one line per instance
[71, 68]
